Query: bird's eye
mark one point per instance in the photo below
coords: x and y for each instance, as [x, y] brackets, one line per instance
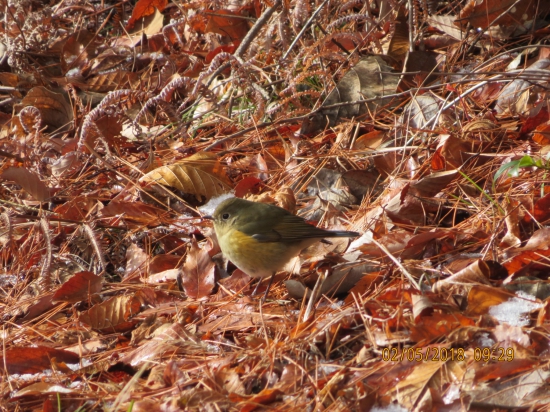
[225, 216]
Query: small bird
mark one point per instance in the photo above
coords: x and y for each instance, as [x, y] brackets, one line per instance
[260, 239]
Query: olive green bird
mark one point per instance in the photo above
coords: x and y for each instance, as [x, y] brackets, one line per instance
[260, 239]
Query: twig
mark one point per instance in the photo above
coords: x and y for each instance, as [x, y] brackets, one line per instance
[253, 32]
[399, 265]
[314, 295]
[245, 44]
[306, 26]
[256, 127]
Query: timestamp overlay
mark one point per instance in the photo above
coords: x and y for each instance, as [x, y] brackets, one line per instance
[446, 354]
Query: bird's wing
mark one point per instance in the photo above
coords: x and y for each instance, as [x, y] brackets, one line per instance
[289, 228]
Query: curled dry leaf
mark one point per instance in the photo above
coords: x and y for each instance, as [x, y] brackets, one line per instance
[56, 111]
[201, 175]
[40, 388]
[422, 305]
[537, 249]
[512, 238]
[476, 273]
[198, 277]
[520, 95]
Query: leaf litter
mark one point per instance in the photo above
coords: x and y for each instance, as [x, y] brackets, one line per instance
[123, 123]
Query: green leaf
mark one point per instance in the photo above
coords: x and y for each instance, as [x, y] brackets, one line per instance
[526, 161]
[506, 168]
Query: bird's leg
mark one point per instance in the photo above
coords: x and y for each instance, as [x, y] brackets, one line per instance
[257, 286]
[268, 287]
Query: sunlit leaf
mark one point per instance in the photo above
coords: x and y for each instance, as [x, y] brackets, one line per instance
[201, 175]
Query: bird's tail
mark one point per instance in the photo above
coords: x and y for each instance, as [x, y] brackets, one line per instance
[342, 233]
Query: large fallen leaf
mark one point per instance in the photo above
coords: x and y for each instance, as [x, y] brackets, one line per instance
[482, 298]
[134, 212]
[112, 315]
[78, 49]
[432, 327]
[370, 78]
[421, 112]
[80, 287]
[28, 181]
[504, 366]
[445, 23]
[424, 376]
[434, 183]
[35, 359]
[496, 12]
[520, 95]
[201, 175]
[233, 26]
[40, 388]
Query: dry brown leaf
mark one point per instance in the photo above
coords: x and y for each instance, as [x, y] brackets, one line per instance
[476, 273]
[432, 327]
[79, 49]
[198, 278]
[504, 12]
[134, 212]
[423, 376]
[40, 388]
[483, 298]
[496, 370]
[23, 360]
[368, 79]
[147, 25]
[233, 26]
[145, 8]
[55, 110]
[28, 181]
[112, 315]
[201, 175]
[536, 249]
[79, 287]
[136, 261]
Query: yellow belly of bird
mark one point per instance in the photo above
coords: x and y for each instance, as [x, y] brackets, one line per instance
[259, 259]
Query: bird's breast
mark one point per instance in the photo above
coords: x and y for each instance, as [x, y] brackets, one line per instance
[257, 259]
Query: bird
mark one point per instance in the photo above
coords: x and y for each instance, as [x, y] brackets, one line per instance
[260, 239]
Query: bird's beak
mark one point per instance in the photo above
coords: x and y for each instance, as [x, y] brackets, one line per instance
[207, 217]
